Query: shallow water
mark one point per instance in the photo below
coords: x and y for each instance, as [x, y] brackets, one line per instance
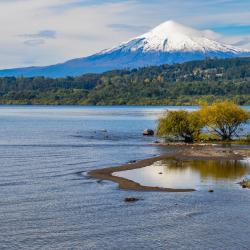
[198, 175]
[48, 202]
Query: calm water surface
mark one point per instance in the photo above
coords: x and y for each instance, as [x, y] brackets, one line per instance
[198, 175]
[48, 202]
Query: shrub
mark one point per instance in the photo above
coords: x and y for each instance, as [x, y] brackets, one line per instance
[181, 124]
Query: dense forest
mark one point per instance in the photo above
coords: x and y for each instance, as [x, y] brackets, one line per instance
[179, 84]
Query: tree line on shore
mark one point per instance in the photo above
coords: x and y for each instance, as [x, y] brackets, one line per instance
[219, 121]
[178, 84]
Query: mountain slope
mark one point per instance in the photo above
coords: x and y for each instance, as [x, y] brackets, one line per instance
[168, 43]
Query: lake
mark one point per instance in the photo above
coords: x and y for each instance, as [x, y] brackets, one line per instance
[189, 174]
[47, 201]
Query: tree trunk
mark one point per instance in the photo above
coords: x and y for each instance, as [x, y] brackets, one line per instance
[188, 139]
[226, 137]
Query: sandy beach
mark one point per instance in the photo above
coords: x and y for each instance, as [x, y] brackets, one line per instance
[179, 152]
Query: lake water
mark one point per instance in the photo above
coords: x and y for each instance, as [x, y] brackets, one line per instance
[197, 174]
[47, 201]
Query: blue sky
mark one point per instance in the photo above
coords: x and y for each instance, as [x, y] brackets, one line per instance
[41, 32]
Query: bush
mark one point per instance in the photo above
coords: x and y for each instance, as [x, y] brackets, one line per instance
[181, 124]
[223, 121]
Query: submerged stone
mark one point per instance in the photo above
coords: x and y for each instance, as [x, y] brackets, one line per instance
[131, 199]
[133, 161]
[148, 132]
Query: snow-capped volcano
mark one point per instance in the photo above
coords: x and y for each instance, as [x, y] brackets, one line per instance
[168, 43]
[171, 36]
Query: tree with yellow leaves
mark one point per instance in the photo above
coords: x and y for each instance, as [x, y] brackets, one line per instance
[180, 124]
[224, 119]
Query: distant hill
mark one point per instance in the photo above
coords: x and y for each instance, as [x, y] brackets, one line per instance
[178, 84]
[168, 43]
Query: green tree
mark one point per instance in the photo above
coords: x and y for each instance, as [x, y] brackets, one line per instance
[181, 124]
[224, 119]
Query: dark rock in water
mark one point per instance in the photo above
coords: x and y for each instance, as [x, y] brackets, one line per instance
[131, 199]
[157, 142]
[160, 172]
[245, 183]
[210, 190]
[148, 132]
[133, 161]
[104, 130]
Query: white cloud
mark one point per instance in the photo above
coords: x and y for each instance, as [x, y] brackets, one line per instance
[80, 31]
[82, 27]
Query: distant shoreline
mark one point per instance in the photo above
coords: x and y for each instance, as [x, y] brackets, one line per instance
[101, 105]
[180, 152]
[93, 105]
[184, 84]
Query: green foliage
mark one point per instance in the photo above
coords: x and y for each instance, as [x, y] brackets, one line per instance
[179, 84]
[181, 124]
[208, 137]
[224, 119]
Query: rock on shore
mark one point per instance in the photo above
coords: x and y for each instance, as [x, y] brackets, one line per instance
[245, 183]
[148, 132]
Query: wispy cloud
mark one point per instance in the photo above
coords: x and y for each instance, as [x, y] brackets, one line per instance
[34, 42]
[39, 38]
[50, 31]
[243, 42]
[41, 34]
[128, 27]
[233, 29]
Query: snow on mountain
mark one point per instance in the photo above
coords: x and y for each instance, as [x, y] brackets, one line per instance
[171, 36]
[168, 43]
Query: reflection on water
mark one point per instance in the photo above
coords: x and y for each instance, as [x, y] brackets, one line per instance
[48, 202]
[171, 173]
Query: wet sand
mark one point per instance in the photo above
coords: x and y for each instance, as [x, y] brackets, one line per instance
[179, 152]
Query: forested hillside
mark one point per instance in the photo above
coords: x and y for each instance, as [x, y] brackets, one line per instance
[179, 84]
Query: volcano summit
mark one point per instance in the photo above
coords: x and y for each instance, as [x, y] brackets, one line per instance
[168, 43]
